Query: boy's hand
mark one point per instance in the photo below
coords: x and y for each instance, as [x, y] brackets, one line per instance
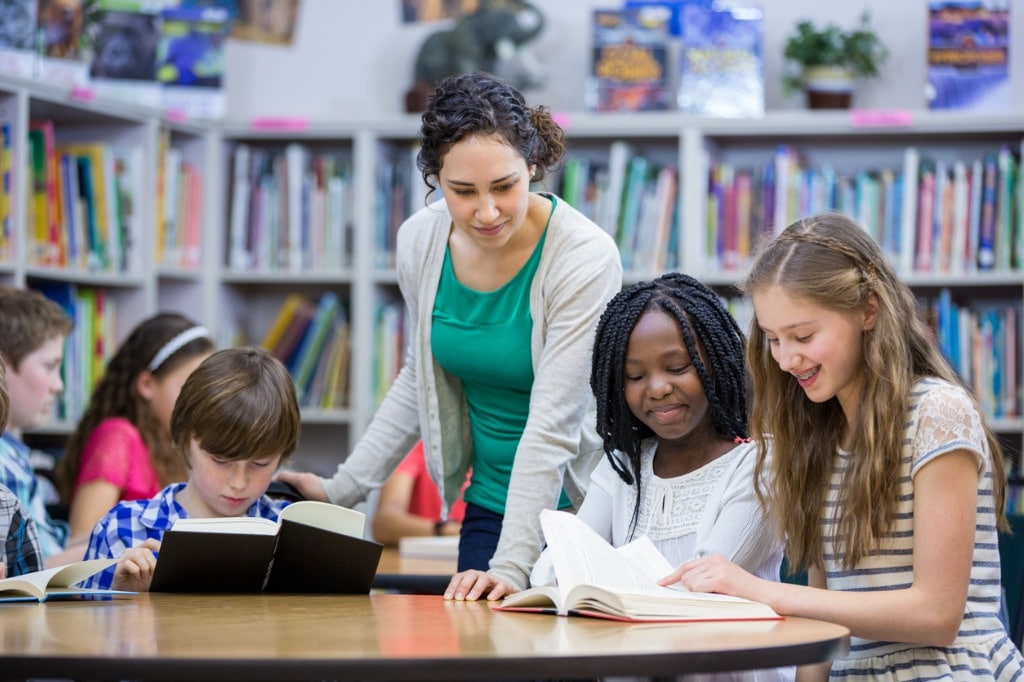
[3, 570]
[307, 483]
[134, 571]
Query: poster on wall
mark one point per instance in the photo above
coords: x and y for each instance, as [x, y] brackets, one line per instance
[266, 21]
[968, 55]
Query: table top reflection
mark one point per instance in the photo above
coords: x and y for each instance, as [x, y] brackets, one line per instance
[378, 636]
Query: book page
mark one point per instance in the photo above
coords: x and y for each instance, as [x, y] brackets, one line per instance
[246, 525]
[328, 516]
[37, 582]
[581, 556]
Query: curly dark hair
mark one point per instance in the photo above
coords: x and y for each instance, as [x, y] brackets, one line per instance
[716, 347]
[478, 103]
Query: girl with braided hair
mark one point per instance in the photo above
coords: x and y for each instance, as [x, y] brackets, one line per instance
[886, 482]
[669, 380]
[121, 448]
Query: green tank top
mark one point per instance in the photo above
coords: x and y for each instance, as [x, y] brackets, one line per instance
[483, 338]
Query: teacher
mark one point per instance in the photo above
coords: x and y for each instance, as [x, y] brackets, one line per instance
[504, 288]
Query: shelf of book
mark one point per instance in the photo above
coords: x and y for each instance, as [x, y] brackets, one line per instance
[353, 182]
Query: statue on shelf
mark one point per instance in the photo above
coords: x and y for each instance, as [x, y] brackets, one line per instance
[490, 39]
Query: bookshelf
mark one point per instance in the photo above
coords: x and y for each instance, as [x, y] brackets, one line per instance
[239, 298]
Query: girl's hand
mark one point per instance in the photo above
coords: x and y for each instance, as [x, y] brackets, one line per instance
[134, 571]
[713, 573]
[471, 585]
[310, 485]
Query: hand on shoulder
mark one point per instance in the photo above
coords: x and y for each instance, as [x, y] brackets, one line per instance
[472, 585]
[310, 485]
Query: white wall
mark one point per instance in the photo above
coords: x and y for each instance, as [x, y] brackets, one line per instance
[354, 58]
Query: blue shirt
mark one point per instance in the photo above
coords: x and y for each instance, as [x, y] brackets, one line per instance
[16, 473]
[131, 523]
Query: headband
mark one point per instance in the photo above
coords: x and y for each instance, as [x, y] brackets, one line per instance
[176, 344]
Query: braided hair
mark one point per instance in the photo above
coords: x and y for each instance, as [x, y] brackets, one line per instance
[714, 342]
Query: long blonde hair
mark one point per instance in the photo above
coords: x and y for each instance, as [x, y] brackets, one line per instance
[831, 261]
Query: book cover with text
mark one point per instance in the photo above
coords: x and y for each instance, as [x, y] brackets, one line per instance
[629, 60]
[968, 55]
[721, 63]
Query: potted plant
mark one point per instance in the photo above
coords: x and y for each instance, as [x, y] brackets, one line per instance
[830, 59]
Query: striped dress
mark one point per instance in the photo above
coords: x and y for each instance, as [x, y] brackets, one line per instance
[942, 418]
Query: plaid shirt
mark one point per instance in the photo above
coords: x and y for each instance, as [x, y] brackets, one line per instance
[18, 534]
[16, 474]
[131, 523]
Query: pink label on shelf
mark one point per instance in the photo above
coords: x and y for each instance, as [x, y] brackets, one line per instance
[82, 93]
[880, 118]
[175, 115]
[296, 123]
[562, 119]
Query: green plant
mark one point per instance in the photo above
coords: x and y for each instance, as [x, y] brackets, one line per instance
[859, 50]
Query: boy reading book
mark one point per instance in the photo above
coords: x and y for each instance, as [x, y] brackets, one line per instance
[235, 421]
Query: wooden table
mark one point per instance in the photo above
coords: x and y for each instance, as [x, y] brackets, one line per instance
[412, 575]
[379, 636]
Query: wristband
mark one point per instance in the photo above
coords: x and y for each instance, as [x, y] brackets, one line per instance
[438, 527]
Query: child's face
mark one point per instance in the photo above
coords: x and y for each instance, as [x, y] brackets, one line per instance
[161, 392]
[226, 487]
[662, 387]
[35, 385]
[820, 347]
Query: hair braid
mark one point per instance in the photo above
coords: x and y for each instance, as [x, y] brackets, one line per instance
[714, 342]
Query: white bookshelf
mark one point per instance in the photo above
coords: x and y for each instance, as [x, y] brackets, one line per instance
[241, 303]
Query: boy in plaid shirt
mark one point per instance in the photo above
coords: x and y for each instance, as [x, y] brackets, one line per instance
[235, 421]
[21, 552]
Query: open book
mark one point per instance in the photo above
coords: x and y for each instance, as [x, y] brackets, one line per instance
[315, 547]
[57, 583]
[596, 579]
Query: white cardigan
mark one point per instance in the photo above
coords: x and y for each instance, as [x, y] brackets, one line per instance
[578, 273]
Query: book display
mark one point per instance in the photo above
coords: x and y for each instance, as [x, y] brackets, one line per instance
[940, 190]
[969, 55]
[629, 68]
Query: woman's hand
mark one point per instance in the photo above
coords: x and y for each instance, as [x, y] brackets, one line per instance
[471, 585]
[134, 571]
[310, 485]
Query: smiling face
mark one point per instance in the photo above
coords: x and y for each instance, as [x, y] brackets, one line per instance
[222, 487]
[662, 388]
[820, 347]
[35, 384]
[486, 184]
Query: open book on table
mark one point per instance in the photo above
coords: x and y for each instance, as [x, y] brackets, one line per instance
[596, 579]
[315, 547]
[58, 583]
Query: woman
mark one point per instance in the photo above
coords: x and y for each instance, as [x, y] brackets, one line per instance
[504, 287]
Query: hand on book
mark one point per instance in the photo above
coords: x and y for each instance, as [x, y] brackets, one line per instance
[134, 570]
[3, 570]
[715, 573]
[471, 585]
[308, 484]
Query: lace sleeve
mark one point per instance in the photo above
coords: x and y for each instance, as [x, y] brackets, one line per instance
[947, 420]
